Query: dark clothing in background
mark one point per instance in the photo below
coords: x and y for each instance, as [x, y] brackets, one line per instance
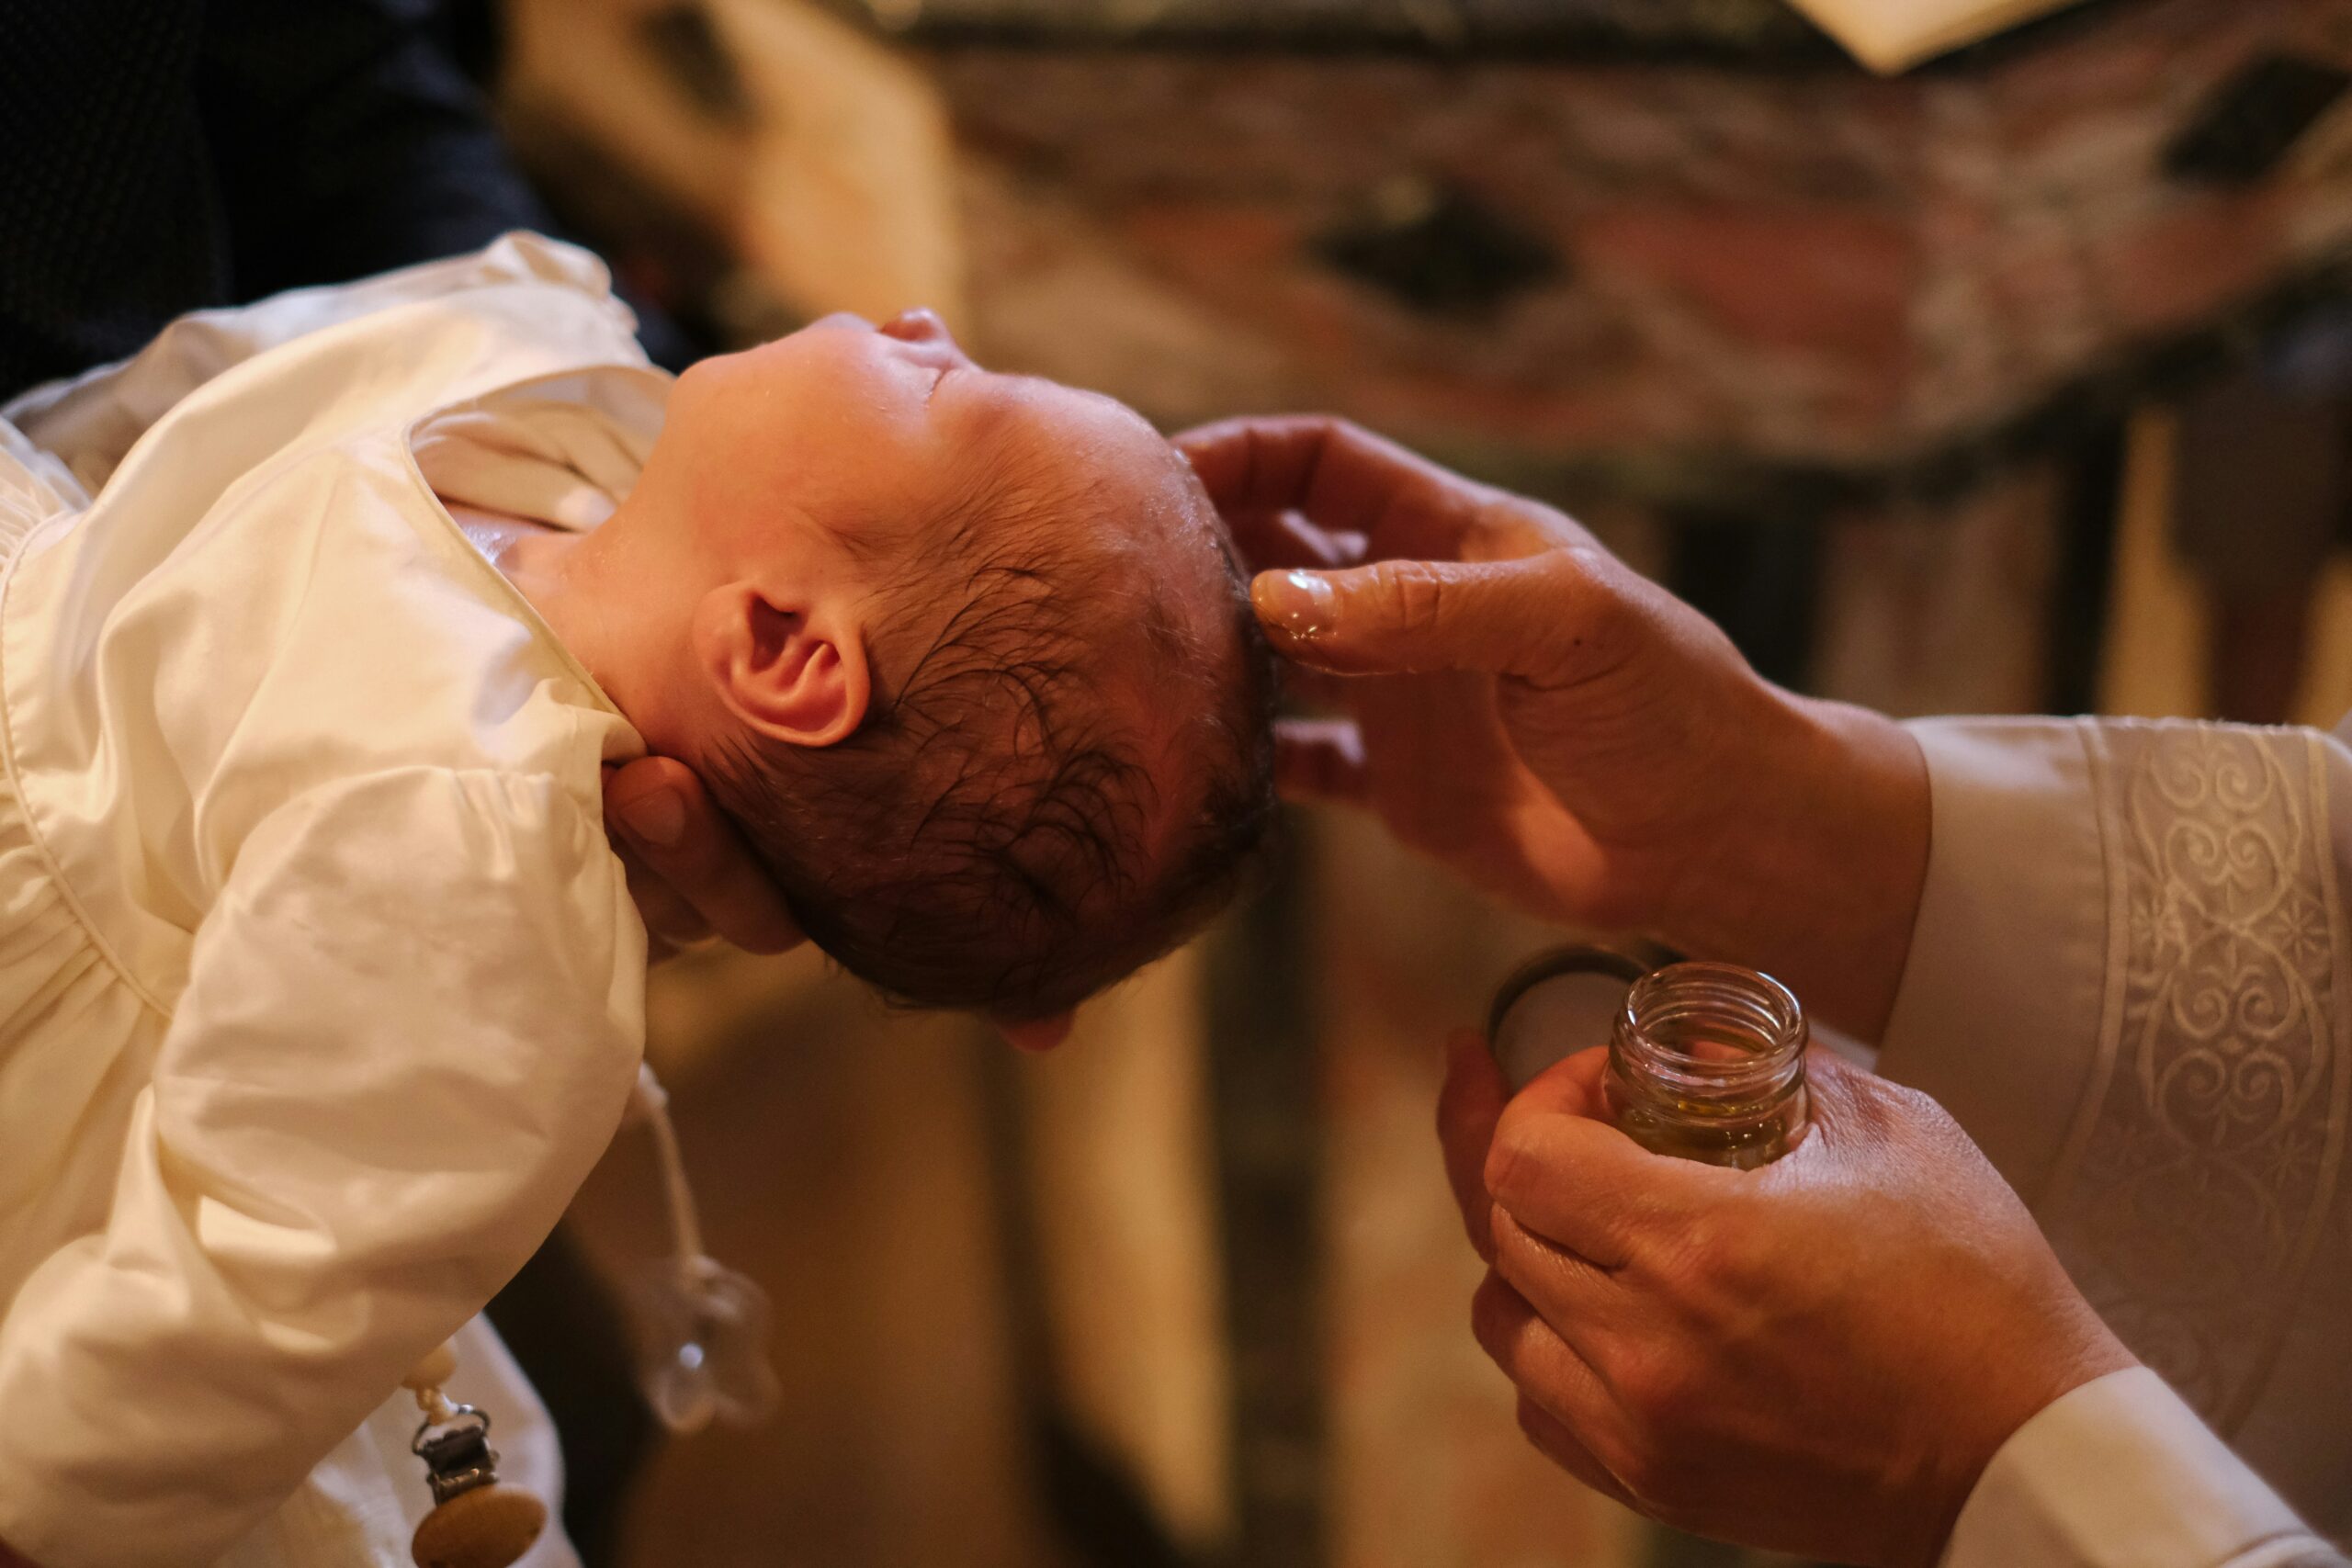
[159, 156]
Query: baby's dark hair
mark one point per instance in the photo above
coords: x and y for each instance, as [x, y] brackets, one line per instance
[982, 839]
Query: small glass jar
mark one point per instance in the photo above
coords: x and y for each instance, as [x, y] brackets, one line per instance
[1707, 1063]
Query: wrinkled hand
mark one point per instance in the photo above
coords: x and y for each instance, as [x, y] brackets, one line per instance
[1819, 1355]
[1478, 607]
[1570, 738]
[689, 872]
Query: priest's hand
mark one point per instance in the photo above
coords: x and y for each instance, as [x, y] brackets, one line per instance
[1512, 700]
[1819, 1355]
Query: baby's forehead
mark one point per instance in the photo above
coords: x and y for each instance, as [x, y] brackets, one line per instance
[1110, 486]
[1093, 535]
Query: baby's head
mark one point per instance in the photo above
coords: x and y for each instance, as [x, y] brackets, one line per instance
[972, 663]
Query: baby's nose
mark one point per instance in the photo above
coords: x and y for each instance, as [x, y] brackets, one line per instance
[921, 324]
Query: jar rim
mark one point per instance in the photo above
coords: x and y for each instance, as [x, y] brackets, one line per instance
[1738, 1000]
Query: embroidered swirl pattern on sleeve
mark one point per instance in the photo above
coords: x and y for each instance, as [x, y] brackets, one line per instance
[2201, 1172]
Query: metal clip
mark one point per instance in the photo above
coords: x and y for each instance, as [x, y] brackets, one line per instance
[461, 1459]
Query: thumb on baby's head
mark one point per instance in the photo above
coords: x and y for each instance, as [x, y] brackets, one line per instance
[1530, 617]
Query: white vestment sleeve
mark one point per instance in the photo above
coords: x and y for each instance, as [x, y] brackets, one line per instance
[2129, 983]
[2119, 1473]
[413, 1017]
[2001, 999]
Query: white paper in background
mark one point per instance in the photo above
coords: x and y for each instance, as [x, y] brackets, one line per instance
[1889, 36]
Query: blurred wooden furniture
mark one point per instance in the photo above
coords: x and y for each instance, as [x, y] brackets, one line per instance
[1702, 262]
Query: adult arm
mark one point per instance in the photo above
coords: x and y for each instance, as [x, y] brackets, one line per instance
[106, 196]
[412, 1019]
[347, 141]
[169, 155]
[2128, 983]
[1607, 759]
[2123, 973]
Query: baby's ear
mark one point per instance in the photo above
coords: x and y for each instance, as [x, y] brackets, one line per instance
[793, 671]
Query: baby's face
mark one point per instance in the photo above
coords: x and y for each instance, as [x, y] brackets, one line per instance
[872, 429]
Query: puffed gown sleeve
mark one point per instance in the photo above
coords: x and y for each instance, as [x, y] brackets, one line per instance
[411, 1024]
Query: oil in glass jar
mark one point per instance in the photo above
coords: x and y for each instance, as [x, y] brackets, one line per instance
[1706, 1062]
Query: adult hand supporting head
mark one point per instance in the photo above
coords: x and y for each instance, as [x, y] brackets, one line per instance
[1819, 1355]
[1524, 707]
[690, 872]
[692, 877]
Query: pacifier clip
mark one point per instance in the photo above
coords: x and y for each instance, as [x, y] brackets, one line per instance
[478, 1520]
[706, 1357]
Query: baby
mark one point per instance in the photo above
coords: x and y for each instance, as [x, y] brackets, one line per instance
[320, 985]
[964, 654]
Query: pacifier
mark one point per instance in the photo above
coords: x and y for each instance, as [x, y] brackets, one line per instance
[706, 1346]
[703, 1327]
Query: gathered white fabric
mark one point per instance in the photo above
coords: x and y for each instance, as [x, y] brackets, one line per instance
[320, 990]
[2131, 982]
